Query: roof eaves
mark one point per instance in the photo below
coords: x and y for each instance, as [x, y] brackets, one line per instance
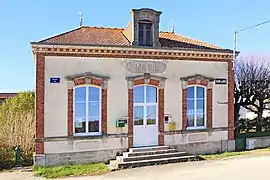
[72, 44]
[138, 47]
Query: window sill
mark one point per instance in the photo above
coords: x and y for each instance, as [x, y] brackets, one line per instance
[197, 129]
[86, 136]
[96, 136]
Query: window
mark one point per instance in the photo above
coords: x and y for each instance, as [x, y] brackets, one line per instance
[87, 110]
[196, 107]
[145, 34]
[145, 105]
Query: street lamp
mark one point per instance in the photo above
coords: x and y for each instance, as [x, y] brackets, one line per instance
[240, 30]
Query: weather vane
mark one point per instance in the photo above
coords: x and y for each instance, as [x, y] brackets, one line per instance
[81, 18]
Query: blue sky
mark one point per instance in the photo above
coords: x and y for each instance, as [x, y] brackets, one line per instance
[207, 20]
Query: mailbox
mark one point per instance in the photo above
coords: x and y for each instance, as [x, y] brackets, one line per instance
[167, 118]
[121, 123]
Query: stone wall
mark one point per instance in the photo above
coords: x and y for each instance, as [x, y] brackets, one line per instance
[260, 142]
[85, 157]
[209, 147]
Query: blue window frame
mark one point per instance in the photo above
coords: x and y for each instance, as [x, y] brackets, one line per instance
[87, 110]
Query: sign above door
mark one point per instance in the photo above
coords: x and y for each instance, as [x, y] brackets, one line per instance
[146, 66]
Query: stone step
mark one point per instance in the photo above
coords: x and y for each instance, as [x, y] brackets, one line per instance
[113, 165]
[133, 154]
[133, 164]
[152, 148]
[151, 156]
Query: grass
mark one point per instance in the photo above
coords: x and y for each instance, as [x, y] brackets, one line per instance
[231, 154]
[71, 170]
[5, 170]
[222, 155]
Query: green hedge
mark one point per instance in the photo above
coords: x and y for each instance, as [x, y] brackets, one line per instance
[6, 158]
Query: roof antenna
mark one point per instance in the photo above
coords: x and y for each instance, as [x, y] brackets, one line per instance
[172, 28]
[81, 18]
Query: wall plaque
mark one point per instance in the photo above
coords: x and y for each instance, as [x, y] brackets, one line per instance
[54, 80]
[146, 66]
[220, 81]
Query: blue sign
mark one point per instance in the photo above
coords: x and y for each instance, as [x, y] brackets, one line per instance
[54, 80]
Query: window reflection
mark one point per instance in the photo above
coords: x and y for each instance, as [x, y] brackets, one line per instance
[196, 106]
[138, 115]
[151, 94]
[87, 109]
[151, 114]
[138, 94]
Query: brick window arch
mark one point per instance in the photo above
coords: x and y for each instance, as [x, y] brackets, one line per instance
[197, 102]
[87, 104]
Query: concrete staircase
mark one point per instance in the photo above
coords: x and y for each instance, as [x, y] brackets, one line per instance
[147, 156]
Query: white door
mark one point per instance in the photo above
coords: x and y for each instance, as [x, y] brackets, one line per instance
[145, 116]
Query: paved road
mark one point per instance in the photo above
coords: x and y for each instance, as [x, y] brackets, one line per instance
[246, 167]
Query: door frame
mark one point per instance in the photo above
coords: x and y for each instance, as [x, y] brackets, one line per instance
[145, 105]
[146, 79]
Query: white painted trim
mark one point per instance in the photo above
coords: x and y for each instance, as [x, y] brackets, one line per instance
[122, 48]
[100, 111]
[145, 105]
[205, 107]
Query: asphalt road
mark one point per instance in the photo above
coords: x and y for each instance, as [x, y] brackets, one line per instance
[245, 167]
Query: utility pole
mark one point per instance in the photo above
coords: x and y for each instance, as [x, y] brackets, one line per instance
[240, 30]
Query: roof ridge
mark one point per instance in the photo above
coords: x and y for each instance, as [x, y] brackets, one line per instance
[100, 27]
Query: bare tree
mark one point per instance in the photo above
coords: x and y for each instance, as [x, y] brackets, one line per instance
[252, 87]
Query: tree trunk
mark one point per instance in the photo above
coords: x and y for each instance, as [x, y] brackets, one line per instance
[236, 116]
[259, 119]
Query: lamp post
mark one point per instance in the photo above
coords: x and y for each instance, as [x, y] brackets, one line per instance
[244, 29]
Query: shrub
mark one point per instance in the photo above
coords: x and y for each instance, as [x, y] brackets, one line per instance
[17, 127]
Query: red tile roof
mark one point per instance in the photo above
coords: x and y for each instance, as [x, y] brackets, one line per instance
[86, 35]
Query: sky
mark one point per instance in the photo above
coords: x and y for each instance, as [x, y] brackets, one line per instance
[211, 21]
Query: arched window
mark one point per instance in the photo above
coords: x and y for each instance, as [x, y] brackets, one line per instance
[196, 107]
[87, 110]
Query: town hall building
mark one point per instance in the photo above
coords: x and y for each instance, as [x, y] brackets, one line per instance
[101, 91]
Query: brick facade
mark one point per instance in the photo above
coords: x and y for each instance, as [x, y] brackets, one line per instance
[130, 117]
[39, 148]
[230, 101]
[184, 109]
[209, 108]
[70, 112]
[161, 116]
[40, 65]
[104, 105]
[40, 68]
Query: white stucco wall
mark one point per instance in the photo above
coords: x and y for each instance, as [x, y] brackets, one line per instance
[56, 94]
[177, 139]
